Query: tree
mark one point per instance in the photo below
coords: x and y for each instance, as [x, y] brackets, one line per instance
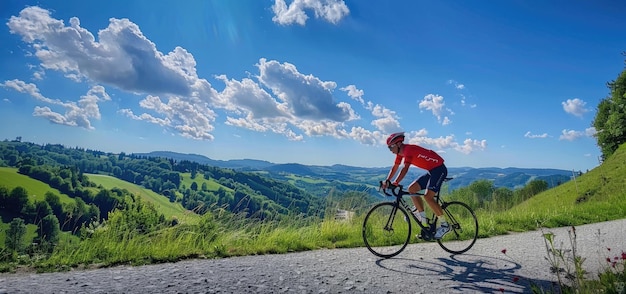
[502, 199]
[17, 200]
[55, 203]
[15, 235]
[49, 230]
[41, 210]
[4, 195]
[483, 189]
[531, 189]
[610, 120]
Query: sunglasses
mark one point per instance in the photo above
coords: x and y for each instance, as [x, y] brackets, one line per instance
[391, 146]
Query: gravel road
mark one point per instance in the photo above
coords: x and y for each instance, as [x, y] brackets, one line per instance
[421, 268]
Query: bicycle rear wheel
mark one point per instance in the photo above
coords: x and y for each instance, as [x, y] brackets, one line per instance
[386, 229]
[463, 228]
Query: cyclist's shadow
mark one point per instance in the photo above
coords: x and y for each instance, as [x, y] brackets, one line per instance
[470, 273]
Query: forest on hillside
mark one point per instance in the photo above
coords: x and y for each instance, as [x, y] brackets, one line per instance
[65, 168]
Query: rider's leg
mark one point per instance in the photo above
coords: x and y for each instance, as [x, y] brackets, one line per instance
[432, 203]
[417, 200]
[438, 175]
[417, 186]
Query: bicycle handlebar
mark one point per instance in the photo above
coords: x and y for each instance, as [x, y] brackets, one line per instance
[396, 190]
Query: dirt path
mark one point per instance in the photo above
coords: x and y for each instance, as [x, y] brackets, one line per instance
[421, 268]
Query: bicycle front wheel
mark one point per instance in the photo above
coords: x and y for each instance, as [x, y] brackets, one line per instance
[386, 229]
[463, 228]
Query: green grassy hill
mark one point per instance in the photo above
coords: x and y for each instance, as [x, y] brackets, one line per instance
[211, 184]
[37, 190]
[162, 204]
[596, 196]
[10, 179]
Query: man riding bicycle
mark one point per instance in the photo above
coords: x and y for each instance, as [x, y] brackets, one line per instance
[431, 181]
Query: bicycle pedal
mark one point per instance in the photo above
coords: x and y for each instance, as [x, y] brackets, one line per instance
[424, 236]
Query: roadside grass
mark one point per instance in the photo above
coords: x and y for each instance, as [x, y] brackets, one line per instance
[596, 196]
[568, 268]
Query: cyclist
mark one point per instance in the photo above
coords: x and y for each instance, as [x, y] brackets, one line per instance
[431, 181]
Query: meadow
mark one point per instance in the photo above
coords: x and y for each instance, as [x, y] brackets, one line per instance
[167, 208]
[37, 190]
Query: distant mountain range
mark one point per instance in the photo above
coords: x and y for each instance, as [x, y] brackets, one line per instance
[367, 176]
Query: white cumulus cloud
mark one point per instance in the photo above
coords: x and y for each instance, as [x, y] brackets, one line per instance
[435, 104]
[330, 10]
[571, 135]
[77, 113]
[575, 107]
[122, 57]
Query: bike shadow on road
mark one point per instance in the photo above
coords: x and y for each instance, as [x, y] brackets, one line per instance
[470, 273]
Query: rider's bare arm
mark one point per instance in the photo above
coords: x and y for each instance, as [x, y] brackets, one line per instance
[403, 172]
[392, 172]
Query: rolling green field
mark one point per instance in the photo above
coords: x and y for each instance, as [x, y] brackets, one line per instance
[10, 178]
[212, 185]
[36, 189]
[163, 204]
[294, 178]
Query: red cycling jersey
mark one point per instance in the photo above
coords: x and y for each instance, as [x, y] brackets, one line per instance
[419, 156]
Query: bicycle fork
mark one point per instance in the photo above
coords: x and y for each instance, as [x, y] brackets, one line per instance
[392, 216]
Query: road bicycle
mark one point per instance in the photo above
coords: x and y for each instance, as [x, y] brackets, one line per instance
[387, 225]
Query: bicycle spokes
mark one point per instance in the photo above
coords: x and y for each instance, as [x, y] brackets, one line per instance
[463, 228]
[385, 231]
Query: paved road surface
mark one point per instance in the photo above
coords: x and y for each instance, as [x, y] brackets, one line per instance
[421, 268]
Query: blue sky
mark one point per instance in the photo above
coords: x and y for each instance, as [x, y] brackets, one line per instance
[485, 83]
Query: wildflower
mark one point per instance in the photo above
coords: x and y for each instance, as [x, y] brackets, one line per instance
[503, 251]
[608, 259]
[608, 248]
[502, 290]
[515, 279]
[623, 255]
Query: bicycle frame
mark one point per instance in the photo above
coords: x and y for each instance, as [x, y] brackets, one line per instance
[427, 232]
